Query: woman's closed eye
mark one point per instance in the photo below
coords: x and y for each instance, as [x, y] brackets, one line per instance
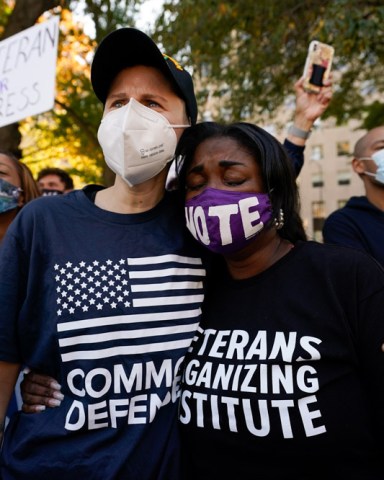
[199, 184]
[194, 186]
[234, 182]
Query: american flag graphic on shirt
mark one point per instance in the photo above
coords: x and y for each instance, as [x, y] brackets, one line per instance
[127, 306]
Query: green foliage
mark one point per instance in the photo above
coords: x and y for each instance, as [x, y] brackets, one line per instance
[6, 8]
[375, 116]
[254, 51]
[245, 55]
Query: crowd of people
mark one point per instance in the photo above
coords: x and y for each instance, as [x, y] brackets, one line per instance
[192, 332]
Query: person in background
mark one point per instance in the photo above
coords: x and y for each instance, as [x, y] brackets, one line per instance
[54, 181]
[360, 223]
[289, 328]
[17, 188]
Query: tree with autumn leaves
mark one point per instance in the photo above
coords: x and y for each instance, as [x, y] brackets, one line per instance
[245, 54]
[66, 136]
[253, 51]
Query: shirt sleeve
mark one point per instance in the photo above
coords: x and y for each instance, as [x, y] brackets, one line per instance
[339, 230]
[296, 155]
[12, 266]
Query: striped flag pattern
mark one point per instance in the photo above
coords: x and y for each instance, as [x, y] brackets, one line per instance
[128, 306]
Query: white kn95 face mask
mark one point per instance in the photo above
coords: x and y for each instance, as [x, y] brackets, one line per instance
[137, 142]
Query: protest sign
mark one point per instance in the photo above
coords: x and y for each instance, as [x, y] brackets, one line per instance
[28, 72]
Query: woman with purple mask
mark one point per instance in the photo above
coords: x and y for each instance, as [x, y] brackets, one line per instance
[290, 327]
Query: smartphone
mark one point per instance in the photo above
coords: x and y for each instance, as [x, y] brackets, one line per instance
[317, 66]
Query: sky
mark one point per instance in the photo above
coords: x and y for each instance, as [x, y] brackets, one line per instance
[148, 12]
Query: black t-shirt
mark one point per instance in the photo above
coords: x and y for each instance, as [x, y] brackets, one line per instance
[285, 379]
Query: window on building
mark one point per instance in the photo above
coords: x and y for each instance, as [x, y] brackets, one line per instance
[318, 218]
[343, 177]
[341, 203]
[317, 152]
[343, 148]
[317, 179]
[318, 209]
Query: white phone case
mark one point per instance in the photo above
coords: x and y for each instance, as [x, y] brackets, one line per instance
[317, 65]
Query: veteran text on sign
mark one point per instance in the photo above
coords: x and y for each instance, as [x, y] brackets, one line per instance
[28, 72]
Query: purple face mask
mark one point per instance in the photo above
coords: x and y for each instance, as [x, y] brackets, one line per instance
[226, 221]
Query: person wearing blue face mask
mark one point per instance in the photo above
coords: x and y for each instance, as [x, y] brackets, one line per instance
[17, 187]
[360, 223]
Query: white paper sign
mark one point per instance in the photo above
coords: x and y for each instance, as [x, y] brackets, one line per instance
[28, 72]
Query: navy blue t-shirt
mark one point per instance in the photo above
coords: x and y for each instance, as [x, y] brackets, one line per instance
[108, 304]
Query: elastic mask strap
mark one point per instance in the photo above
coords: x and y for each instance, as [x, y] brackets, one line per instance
[370, 174]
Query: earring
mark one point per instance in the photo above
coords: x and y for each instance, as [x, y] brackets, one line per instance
[279, 221]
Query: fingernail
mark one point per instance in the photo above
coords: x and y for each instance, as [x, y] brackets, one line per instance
[40, 408]
[58, 395]
[54, 403]
[55, 385]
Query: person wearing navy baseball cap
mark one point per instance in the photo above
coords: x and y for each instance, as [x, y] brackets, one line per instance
[120, 301]
[149, 131]
[127, 47]
[110, 299]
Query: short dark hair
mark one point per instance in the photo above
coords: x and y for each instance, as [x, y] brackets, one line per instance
[62, 174]
[276, 168]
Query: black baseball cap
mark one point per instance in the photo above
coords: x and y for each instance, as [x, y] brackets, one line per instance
[127, 47]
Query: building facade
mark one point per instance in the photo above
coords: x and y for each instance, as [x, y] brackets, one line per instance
[327, 179]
